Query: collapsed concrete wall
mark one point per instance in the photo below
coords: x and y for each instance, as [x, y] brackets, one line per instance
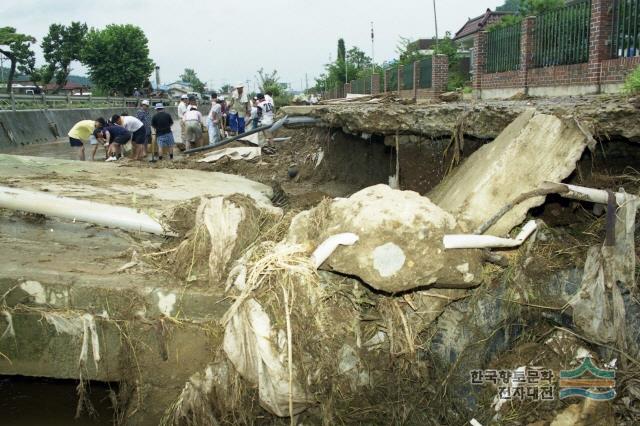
[38, 126]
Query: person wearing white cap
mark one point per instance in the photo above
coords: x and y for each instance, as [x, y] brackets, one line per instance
[144, 115]
[183, 107]
[239, 109]
[193, 123]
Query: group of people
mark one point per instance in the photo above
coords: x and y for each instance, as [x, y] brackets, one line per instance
[234, 116]
[116, 132]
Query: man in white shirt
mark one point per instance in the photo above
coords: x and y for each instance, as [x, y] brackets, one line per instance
[266, 107]
[182, 108]
[213, 120]
[138, 133]
[193, 126]
[239, 109]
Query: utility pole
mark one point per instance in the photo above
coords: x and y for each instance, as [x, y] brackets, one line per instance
[306, 82]
[435, 18]
[1, 67]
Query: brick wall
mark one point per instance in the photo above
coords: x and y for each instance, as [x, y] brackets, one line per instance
[598, 71]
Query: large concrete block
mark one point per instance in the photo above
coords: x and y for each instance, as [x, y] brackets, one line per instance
[533, 149]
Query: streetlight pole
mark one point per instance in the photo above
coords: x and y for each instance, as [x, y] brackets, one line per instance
[435, 18]
[373, 61]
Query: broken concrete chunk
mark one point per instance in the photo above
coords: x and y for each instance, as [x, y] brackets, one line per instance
[400, 245]
[533, 149]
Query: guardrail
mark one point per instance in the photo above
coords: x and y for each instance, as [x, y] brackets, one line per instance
[42, 101]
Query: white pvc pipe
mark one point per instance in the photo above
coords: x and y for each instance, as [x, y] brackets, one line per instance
[590, 194]
[329, 245]
[471, 241]
[81, 210]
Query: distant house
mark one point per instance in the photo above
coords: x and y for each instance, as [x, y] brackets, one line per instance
[425, 46]
[70, 88]
[464, 36]
[178, 88]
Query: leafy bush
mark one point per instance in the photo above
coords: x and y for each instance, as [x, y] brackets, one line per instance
[632, 83]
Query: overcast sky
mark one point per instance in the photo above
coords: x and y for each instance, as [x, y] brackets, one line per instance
[228, 41]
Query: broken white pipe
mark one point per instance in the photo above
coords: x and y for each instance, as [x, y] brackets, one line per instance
[329, 245]
[81, 210]
[472, 241]
[589, 194]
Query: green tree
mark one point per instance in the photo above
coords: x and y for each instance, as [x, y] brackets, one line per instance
[342, 50]
[190, 76]
[16, 47]
[61, 46]
[117, 57]
[270, 82]
[509, 6]
[523, 8]
[226, 88]
[408, 51]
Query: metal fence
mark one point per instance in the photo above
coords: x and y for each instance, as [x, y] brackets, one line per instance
[361, 86]
[625, 42]
[392, 79]
[407, 77]
[42, 101]
[425, 67]
[503, 49]
[561, 36]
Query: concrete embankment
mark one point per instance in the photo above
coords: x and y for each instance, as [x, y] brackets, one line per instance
[26, 127]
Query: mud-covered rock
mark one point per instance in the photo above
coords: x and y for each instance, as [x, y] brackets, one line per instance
[400, 245]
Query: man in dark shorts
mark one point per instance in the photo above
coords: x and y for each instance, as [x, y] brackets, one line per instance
[115, 136]
[137, 130]
[162, 122]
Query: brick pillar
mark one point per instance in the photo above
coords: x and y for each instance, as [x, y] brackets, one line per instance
[347, 89]
[439, 74]
[599, 50]
[399, 79]
[479, 60]
[375, 84]
[416, 79]
[526, 52]
[386, 80]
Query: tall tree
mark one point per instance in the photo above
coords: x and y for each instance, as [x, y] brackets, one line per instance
[61, 46]
[16, 47]
[190, 76]
[270, 82]
[342, 50]
[117, 57]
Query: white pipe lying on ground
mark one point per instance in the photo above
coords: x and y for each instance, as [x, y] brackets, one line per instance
[329, 245]
[82, 210]
[472, 241]
[589, 194]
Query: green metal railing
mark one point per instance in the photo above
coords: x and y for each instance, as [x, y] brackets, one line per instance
[625, 37]
[561, 36]
[392, 79]
[407, 77]
[357, 86]
[425, 66]
[503, 49]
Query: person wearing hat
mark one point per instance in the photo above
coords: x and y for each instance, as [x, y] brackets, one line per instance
[144, 115]
[162, 122]
[239, 109]
[183, 107]
[214, 120]
[193, 126]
